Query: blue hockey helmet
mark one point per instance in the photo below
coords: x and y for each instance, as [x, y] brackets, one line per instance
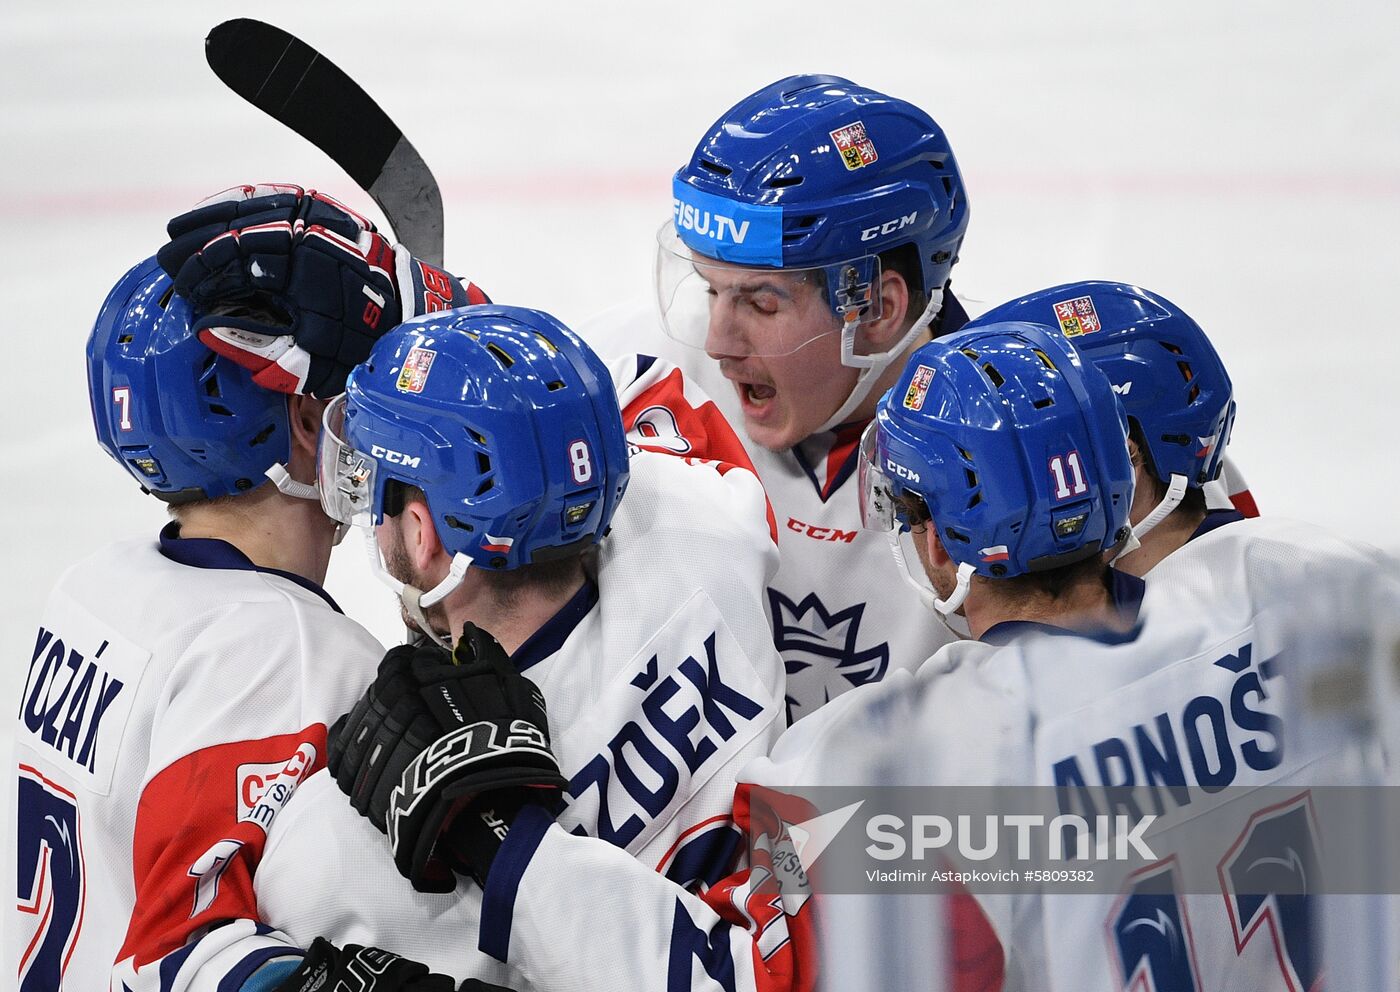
[1163, 368]
[1016, 446]
[502, 416]
[186, 423]
[811, 177]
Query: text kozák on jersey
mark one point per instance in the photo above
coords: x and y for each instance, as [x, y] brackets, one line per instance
[78, 694]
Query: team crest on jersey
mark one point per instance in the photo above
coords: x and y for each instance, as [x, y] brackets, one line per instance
[918, 388]
[856, 148]
[416, 366]
[825, 645]
[1078, 316]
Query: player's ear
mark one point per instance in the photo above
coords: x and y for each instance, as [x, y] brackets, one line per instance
[882, 334]
[304, 416]
[420, 534]
[937, 556]
[1134, 453]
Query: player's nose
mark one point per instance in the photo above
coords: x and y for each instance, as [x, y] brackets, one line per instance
[724, 337]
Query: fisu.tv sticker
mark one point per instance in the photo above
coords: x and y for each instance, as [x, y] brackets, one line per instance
[746, 233]
[416, 366]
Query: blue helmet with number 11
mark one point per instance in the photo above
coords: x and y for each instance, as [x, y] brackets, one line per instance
[502, 416]
[1015, 445]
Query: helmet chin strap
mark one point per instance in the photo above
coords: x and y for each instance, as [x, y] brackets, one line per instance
[929, 597]
[415, 600]
[871, 366]
[1176, 492]
[288, 486]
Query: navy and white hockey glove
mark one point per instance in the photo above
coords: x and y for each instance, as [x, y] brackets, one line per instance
[298, 286]
[446, 745]
[367, 969]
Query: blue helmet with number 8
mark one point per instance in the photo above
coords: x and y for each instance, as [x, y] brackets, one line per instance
[502, 416]
[186, 423]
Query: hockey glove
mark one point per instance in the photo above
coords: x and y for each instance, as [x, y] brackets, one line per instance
[367, 969]
[297, 286]
[436, 734]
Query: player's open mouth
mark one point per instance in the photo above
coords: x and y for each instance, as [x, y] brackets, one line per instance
[757, 393]
[755, 398]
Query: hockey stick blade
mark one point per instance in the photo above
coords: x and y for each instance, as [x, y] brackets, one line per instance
[293, 83]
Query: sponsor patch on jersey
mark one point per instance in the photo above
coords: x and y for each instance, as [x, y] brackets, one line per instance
[414, 374]
[918, 388]
[264, 787]
[1078, 316]
[856, 148]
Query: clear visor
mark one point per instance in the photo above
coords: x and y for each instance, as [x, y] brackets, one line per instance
[346, 476]
[877, 492]
[750, 311]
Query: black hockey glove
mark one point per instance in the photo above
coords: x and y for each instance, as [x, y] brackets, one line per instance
[366, 969]
[438, 735]
[297, 285]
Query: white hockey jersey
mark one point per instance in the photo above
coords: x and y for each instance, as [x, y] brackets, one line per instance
[842, 615]
[661, 682]
[1210, 703]
[175, 696]
[1042, 708]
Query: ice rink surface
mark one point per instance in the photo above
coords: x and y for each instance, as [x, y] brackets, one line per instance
[1242, 159]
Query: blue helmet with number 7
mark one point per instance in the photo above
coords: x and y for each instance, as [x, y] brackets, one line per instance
[184, 422]
[1016, 447]
[502, 416]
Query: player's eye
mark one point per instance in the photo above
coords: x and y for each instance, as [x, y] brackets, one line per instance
[765, 303]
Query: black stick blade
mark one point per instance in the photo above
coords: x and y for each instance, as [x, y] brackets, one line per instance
[293, 83]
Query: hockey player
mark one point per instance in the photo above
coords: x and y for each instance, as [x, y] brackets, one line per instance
[1007, 460]
[1264, 584]
[484, 451]
[1177, 394]
[814, 230]
[296, 288]
[180, 687]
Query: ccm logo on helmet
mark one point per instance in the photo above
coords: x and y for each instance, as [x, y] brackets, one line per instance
[888, 227]
[901, 471]
[394, 457]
